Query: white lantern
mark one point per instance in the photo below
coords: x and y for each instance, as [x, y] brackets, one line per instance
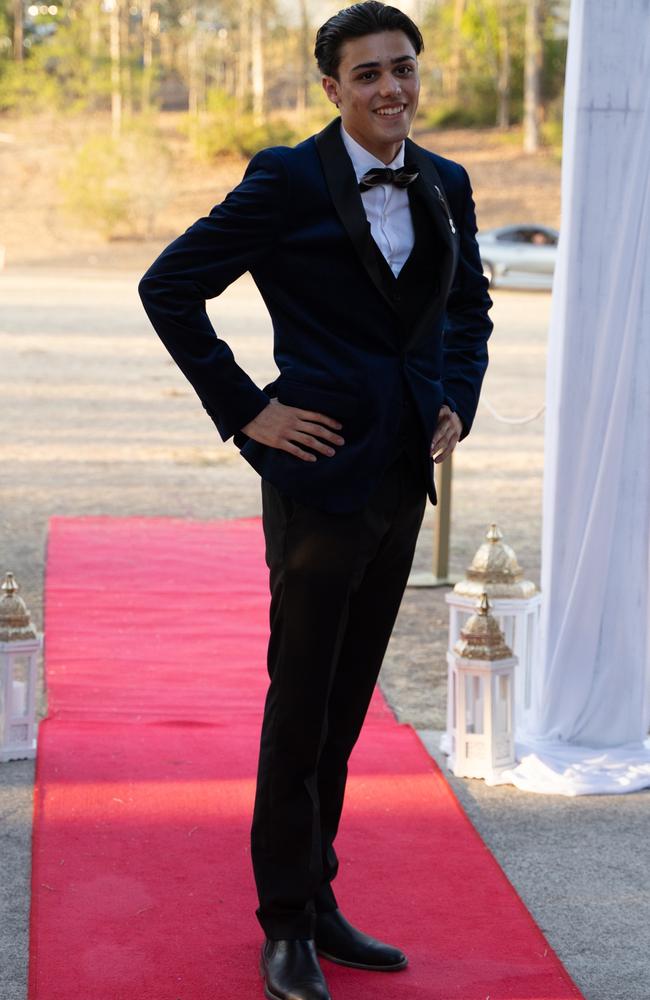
[19, 649]
[515, 603]
[482, 670]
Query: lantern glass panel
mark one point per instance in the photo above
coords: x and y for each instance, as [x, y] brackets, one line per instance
[474, 698]
[503, 709]
[19, 686]
[463, 617]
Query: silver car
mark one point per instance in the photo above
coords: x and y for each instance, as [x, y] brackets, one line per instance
[519, 256]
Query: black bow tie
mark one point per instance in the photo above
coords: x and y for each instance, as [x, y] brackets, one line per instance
[385, 175]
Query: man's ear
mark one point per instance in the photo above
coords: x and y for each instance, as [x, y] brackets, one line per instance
[331, 88]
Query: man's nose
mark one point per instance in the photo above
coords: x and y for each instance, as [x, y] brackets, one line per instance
[390, 86]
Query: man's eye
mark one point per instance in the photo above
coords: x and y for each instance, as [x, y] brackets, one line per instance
[367, 76]
[404, 70]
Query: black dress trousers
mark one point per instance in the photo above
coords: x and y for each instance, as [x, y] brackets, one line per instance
[336, 583]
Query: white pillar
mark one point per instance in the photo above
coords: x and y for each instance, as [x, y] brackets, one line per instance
[591, 704]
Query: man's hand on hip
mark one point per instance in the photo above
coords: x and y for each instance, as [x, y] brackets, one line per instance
[447, 433]
[287, 427]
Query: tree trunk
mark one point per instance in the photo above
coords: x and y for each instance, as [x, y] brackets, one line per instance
[257, 61]
[116, 80]
[304, 59]
[92, 15]
[503, 83]
[243, 62]
[533, 69]
[147, 54]
[18, 30]
[125, 67]
[193, 62]
[453, 74]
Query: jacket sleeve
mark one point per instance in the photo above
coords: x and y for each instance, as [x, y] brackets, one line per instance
[467, 325]
[199, 265]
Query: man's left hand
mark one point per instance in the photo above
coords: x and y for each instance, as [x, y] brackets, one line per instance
[448, 431]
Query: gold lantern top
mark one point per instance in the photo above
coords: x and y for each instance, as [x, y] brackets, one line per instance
[494, 570]
[15, 623]
[481, 638]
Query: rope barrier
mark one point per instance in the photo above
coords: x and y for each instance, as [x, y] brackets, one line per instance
[511, 420]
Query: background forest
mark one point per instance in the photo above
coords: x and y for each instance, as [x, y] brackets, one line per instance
[129, 86]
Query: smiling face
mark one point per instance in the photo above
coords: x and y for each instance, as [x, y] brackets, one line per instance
[376, 91]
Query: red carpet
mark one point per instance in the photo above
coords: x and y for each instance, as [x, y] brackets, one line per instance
[142, 889]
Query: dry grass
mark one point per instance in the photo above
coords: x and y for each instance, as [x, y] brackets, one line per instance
[509, 186]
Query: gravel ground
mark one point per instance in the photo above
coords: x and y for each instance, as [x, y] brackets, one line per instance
[98, 420]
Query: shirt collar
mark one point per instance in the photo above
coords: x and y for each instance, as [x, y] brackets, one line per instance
[362, 160]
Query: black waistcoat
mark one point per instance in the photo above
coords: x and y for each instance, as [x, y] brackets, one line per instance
[417, 281]
[410, 292]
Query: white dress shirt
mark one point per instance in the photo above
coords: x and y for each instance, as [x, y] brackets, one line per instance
[387, 207]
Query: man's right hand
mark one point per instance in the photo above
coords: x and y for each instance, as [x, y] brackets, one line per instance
[287, 427]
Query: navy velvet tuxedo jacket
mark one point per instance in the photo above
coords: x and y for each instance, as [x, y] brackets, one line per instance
[297, 223]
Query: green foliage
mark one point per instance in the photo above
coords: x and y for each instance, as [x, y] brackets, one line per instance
[316, 116]
[554, 62]
[552, 126]
[483, 27]
[488, 31]
[467, 49]
[250, 137]
[118, 186]
[453, 116]
[57, 75]
[5, 29]
[223, 129]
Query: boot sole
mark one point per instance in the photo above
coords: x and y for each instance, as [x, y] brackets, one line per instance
[361, 965]
[267, 992]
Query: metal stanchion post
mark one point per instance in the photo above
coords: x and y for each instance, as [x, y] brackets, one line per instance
[439, 577]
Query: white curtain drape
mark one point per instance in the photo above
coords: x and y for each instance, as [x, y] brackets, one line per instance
[591, 701]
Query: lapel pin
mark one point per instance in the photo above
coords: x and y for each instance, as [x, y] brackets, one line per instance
[446, 208]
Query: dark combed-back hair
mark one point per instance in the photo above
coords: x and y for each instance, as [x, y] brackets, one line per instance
[369, 18]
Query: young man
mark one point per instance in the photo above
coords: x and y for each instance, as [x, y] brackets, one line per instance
[363, 247]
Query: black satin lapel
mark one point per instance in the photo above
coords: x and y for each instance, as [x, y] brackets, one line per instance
[342, 183]
[430, 189]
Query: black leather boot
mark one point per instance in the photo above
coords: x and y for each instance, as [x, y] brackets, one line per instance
[291, 971]
[340, 942]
